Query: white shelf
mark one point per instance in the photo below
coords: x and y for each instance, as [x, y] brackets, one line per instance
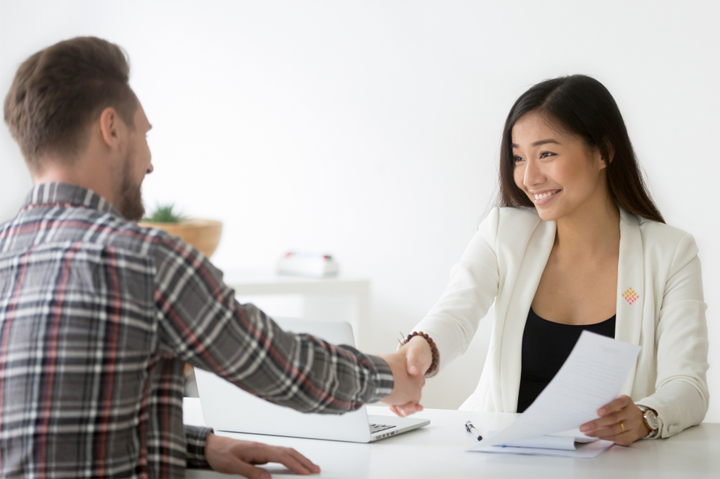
[326, 299]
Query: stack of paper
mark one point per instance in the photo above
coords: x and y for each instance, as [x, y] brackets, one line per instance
[567, 444]
[591, 377]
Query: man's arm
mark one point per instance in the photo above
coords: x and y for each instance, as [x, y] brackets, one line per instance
[201, 323]
[195, 437]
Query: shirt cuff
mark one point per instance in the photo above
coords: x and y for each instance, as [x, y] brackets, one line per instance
[195, 437]
[382, 377]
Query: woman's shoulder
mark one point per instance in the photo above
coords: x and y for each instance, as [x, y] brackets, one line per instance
[660, 232]
[517, 216]
[512, 225]
[663, 239]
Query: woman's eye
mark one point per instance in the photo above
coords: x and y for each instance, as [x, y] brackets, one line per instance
[517, 159]
[545, 154]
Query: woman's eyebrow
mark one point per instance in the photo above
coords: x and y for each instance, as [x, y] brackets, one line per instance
[540, 142]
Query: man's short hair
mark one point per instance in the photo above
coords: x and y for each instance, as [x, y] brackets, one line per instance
[60, 91]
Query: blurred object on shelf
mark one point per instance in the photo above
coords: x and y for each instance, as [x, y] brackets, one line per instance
[307, 264]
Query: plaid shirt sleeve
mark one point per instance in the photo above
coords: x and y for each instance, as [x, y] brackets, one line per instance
[202, 324]
[195, 437]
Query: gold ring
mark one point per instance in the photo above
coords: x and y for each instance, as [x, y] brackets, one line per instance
[622, 426]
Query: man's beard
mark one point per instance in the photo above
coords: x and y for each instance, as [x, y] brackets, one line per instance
[130, 203]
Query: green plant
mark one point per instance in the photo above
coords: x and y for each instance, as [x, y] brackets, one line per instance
[165, 214]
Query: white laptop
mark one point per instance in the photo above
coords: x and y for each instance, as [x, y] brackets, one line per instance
[228, 408]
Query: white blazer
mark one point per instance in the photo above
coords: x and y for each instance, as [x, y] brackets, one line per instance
[503, 264]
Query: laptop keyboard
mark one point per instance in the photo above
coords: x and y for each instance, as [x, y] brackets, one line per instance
[380, 427]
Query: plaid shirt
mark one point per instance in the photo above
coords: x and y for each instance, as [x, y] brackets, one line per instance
[98, 317]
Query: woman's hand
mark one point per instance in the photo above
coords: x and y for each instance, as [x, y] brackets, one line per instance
[418, 359]
[621, 422]
[407, 389]
[418, 355]
[233, 456]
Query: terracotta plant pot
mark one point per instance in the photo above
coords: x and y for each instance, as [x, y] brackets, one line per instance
[203, 235]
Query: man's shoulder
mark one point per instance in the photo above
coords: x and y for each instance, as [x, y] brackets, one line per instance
[100, 229]
[128, 238]
[143, 240]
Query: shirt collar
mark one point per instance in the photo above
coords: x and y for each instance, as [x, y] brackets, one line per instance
[68, 194]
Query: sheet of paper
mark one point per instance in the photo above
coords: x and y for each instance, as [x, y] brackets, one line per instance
[591, 377]
[583, 451]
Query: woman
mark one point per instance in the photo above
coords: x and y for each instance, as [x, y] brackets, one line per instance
[576, 244]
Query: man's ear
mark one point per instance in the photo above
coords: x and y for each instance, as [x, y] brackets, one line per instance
[111, 128]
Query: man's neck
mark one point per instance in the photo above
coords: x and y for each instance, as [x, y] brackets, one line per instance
[80, 173]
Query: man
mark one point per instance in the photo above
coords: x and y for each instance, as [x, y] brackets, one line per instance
[98, 315]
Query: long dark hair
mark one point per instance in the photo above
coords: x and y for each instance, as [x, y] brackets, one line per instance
[583, 106]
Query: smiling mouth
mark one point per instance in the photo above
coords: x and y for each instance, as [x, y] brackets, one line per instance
[545, 197]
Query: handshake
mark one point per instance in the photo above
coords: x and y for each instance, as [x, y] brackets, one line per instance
[408, 365]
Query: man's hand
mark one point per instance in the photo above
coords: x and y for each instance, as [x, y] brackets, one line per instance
[408, 387]
[621, 421]
[232, 456]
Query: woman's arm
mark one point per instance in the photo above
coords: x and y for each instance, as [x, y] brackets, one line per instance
[473, 286]
[681, 397]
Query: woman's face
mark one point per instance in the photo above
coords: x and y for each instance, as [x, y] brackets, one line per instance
[560, 174]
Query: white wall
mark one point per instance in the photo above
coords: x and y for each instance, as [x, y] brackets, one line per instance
[371, 129]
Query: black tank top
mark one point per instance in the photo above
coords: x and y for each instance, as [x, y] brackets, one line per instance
[545, 347]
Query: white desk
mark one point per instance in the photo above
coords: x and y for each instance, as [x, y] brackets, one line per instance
[438, 451]
[325, 299]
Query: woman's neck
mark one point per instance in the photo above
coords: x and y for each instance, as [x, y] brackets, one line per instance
[592, 231]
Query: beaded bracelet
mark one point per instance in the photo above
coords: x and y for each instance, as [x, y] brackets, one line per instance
[432, 370]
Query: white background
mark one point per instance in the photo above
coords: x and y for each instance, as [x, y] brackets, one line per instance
[371, 129]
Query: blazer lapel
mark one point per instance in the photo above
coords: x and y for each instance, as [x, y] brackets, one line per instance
[528, 278]
[631, 286]
[629, 306]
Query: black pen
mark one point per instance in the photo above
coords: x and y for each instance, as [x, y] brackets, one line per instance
[471, 429]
